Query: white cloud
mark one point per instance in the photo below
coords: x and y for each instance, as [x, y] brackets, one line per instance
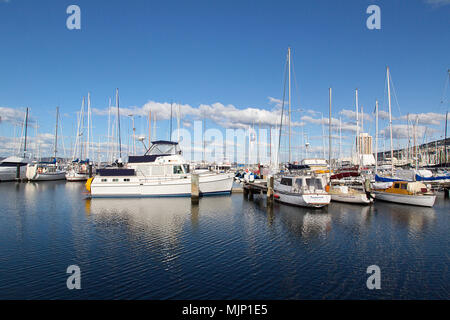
[352, 115]
[401, 131]
[227, 116]
[431, 118]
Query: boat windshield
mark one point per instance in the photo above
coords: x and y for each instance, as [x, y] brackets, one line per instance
[299, 182]
[314, 182]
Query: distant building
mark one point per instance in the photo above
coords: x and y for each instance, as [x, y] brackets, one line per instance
[364, 143]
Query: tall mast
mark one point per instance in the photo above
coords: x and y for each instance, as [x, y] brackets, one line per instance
[415, 145]
[134, 136]
[170, 131]
[289, 97]
[390, 120]
[446, 117]
[270, 145]
[445, 141]
[56, 132]
[82, 128]
[88, 150]
[118, 123]
[407, 127]
[376, 136]
[25, 140]
[329, 132]
[109, 131]
[357, 126]
[323, 139]
[340, 138]
[149, 128]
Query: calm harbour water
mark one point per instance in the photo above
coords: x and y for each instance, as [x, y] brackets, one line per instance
[224, 248]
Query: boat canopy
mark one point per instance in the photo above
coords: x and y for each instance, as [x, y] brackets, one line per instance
[162, 147]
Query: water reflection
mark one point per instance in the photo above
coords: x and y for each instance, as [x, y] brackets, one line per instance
[305, 222]
[416, 219]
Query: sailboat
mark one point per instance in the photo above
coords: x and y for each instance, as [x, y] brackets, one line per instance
[404, 192]
[45, 171]
[16, 166]
[78, 169]
[302, 187]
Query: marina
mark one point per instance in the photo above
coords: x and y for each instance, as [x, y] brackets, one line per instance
[293, 150]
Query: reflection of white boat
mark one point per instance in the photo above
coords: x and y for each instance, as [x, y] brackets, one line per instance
[45, 172]
[348, 195]
[162, 171]
[301, 190]
[411, 193]
[8, 168]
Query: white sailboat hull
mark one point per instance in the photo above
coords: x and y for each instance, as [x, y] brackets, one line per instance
[33, 174]
[75, 176]
[415, 200]
[312, 200]
[162, 187]
[359, 198]
[49, 176]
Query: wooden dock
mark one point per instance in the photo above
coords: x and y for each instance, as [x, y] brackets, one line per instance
[259, 188]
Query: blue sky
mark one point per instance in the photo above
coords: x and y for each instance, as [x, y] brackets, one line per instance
[230, 53]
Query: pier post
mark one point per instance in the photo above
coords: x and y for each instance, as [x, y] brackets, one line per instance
[446, 193]
[18, 172]
[245, 193]
[270, 190]
[195, 190]
[90, 170]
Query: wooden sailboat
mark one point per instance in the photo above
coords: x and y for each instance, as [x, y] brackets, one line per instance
[303, 188]
[343, 193]
[78, 169]
[404, 192]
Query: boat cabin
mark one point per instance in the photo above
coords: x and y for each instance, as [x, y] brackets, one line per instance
[301, 183]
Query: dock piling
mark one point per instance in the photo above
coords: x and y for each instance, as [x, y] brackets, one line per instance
[195, 190]
[270, 190]
[18, 173]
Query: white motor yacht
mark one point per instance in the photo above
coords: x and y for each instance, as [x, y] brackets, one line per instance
[162, 171]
